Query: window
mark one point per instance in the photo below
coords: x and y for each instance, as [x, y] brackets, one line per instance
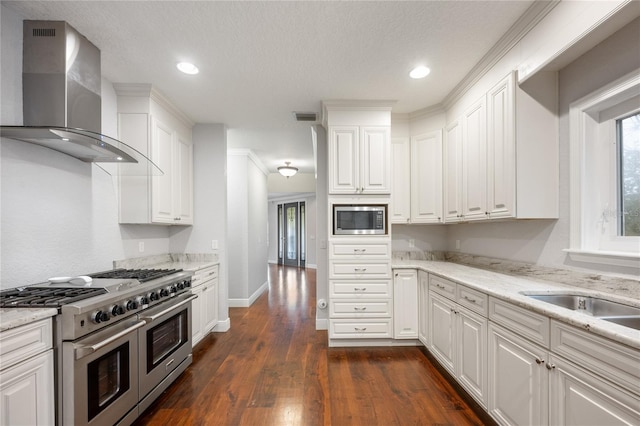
[628, 181]
[605, 175]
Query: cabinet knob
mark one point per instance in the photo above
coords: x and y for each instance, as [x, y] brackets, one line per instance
[539, 361]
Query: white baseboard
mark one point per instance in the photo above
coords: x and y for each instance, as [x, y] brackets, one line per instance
[245, 303]
[222, 326]
[322, 324]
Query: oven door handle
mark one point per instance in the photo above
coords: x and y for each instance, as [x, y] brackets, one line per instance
[152, 318]
[82, 351]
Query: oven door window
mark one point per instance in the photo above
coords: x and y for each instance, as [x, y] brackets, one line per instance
[108, 378]
[165, 338]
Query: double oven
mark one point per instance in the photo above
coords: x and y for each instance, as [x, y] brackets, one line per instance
[119, 349]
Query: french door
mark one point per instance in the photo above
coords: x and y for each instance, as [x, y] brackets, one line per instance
[291, 234]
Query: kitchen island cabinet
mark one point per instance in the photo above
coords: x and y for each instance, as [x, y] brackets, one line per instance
[204, 314]
[26, 373]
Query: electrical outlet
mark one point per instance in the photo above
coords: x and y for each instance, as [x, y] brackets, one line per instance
[141, 246]
[412, 242]
[214, 244]
[457, 244]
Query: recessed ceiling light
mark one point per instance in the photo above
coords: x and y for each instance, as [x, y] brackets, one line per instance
[419, 72]
[187, 68]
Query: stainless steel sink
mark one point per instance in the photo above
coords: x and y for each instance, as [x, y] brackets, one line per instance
[604, 309]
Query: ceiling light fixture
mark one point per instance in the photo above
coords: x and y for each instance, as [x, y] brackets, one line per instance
[287, 171]
[188, 68]
[419, 72]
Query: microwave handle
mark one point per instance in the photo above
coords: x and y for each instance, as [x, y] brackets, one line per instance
[82, 351]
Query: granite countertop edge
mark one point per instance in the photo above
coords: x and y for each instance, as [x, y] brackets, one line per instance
[510, 288]
[15, 317]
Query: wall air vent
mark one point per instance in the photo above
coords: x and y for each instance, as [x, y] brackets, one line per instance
[305, 116]
[44, 32]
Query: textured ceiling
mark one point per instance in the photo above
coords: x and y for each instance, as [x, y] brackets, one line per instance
[260, 61]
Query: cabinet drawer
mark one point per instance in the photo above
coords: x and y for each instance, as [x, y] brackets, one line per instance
[20, 343]
[473, 299]
[442, 286]
[359, 251]
[360, 270]
[360, 289]
[360, 309]
[203, 275]
[356, 329]
[616, 362]
[530, 325]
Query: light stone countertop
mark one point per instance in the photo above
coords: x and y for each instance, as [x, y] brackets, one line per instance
[510, 288]
[15, 317]
[188, 262]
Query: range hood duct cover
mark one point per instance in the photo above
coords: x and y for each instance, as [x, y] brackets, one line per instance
[61, 99]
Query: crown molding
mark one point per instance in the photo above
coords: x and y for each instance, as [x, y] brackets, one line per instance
[147, 90]
[427, 112]
[251, 156]
[533, 15]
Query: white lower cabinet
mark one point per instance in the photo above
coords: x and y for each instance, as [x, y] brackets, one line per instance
[405, 303]
[458, 339]
[27, 380]
[423, 307]
[533, 384]
[204, 309]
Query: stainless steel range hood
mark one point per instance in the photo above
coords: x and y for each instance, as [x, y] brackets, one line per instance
[61, 99]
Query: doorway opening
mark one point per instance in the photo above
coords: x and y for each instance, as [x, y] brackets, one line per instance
[291, 234]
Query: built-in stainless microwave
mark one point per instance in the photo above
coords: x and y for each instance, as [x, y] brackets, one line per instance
[350, 219]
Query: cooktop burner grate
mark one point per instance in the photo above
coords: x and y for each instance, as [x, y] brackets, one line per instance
[141, 275]
[34, 297]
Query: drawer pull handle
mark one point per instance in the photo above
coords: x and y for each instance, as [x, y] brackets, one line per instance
[359, 269]
[360, 329]
[470, 299]
[357, 250]
[440, 286]
[211, 273]
[359, 289]
[539, 361]
[550, 366]
[355, 308]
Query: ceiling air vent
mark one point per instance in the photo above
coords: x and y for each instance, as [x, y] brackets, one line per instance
[44, 32]
[305, 116]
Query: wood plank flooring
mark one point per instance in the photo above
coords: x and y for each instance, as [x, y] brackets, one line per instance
[273, 368]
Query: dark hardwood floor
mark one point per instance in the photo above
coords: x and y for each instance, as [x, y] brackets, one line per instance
[273, 368]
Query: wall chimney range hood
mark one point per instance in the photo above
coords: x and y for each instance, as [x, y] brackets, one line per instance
[61, 99]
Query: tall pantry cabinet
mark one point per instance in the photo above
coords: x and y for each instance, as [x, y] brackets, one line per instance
[359, 266]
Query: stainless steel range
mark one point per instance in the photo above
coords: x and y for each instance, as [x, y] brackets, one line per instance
[121, 338]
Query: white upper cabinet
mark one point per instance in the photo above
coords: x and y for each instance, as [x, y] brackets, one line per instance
[400, 206]
[505, 145]
[149, 123]
[360, 160]
[426, 178]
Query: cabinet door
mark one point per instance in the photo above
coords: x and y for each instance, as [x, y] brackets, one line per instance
[197, 315]
[471, 360]
[453, 172]
[423, 307]
[442, 330]
[26, 392]
[162, 186]
[426, 178]
[405, 304]
[518, 379]
[210, 297]
[577, 397]
[183, 183]
[474, 171]
[501, 154]
[400, 207]
[343, 159]
[375, 163]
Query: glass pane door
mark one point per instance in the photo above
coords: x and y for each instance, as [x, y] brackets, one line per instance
[291, 234]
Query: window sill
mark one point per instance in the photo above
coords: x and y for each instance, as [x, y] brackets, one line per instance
[629, 260]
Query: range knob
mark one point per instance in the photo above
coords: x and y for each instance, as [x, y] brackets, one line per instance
[165, 291]
[174, 288]
[131, 305]
[117, 310]
[100, 316]
[153, 296]
[181, 285]
[142, 300]
[187, 283]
